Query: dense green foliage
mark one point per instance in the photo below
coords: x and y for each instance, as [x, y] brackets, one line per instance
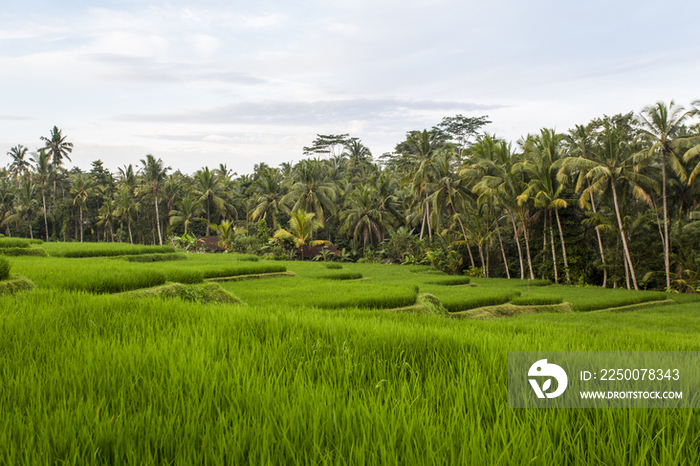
[613, 202]
[23, 252]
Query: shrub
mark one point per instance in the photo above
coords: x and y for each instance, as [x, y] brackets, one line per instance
[451, 281]
[4, 268]
[344, 275]
[23, 252]
[536, 300]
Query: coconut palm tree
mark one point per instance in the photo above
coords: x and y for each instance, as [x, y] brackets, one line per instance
[106, 216]
[59, 148]
[126, 207]
[153, 174]
[611, 166]
[543, 152]
[209, 190]
[311, 190]
[7, 200]
[83, 187]
[365, 217]
[302, 226]
[19, 167]
[43, 171]
[25, 207]
[660, 125]
[188, 211]
[267, 194]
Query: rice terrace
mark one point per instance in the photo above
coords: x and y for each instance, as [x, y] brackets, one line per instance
[231, 359]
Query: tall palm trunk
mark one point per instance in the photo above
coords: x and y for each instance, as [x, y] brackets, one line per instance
[81, 224]
[464, 233]
[128, 226]
[503, 251]
[160, 236]
[600, 244]
[208, 216]
[527, 247]
[667, 263]
[46, 223]
[517, 242]
[554, 252]
[622, 236]
[563, 247]
[483, 263]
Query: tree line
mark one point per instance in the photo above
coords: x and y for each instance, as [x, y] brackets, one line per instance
[613, 202]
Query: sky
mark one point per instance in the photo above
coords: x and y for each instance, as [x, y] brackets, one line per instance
[239, 83]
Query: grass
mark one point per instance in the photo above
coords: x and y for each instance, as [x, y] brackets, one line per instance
[76, 250]
[172, 256]
[343, 275]
[17, 242]
[15, 284]
[202, 294]
[117, 379]
[23, 251]
[310, 372]
[451, 281]
[536, 300]
[4, 268]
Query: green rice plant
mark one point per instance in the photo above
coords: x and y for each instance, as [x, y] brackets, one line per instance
[14, 243]
[536, 300]
[77, 250]
[343, 275]
[232, 270]
[246, 257]
[182, 275]
[461, 299]
[174, 256]
[451, 281]
[4, 268]
[202, 294]
[333, 266]
[14, 285]
[537, 282]
[23, 252]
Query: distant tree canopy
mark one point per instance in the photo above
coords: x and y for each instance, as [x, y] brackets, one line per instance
[612, 202]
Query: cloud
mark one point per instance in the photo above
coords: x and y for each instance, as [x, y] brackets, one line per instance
[15, 118]
[310, 113]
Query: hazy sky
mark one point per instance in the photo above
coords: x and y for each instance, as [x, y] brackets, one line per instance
[244, 82]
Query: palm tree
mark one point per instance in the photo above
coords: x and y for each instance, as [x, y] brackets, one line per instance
[83, 187]
[19, 167]
[106, 216]
[126, 208]
[364, 217]
[580, 141]
[490, 168]
[59, 148]
[209, 191]
[267, 193]
[188, 211]
[302, 226]
[153, 174]
[311, 190]
[44, 171]
[543, 152]
[26, 206]
[612, 164]
[7, 199]
[660, 125]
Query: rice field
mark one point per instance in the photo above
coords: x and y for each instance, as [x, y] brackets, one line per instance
[310, 370]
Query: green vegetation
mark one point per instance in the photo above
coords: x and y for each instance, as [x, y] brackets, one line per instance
[15, 284]
[333, 266]
[4, 268]
[451, 281]
[344, 275]
[172, 256]
[23, 251]
[202, 294]
[17, 242]
[76, 250]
